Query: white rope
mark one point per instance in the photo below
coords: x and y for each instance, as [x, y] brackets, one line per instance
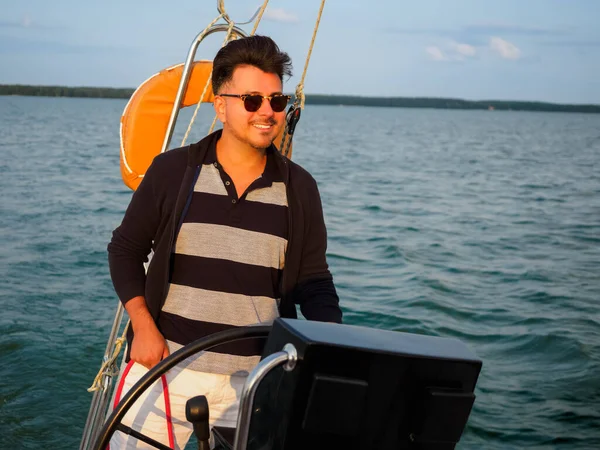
[299, 94]
[213, 124]
[109, 368]
[300, 86]
[260, 14]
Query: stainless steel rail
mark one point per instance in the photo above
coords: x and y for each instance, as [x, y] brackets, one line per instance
[289, 357]
[185, 76]
[101, 397]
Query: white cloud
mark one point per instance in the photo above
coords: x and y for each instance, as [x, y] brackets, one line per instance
[456, 51]
[435, 53]
[451, 51]
[505, 49]
[464, 49]
[26, 21]
[280, 15]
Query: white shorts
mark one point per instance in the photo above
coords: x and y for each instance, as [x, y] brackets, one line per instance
[150, 413]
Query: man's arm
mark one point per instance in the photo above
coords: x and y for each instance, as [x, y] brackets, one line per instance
[131, 241]
[127, 252]
[315, 291]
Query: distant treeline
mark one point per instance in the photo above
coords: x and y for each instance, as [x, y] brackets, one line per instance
[447, 103]
[63, 91]
[314, 99]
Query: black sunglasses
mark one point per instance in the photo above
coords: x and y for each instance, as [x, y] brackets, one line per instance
[252, 102]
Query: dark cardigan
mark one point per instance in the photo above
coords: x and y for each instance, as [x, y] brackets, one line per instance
[154, 214]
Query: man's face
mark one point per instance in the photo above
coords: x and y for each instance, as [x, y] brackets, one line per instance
[257, 129]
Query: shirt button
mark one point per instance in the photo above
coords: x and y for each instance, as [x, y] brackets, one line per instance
[233, 201]
[227, 183]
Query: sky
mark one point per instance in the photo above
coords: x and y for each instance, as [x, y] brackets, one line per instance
[533, 50]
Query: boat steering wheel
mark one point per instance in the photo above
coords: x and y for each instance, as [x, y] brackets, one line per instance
[114, 421]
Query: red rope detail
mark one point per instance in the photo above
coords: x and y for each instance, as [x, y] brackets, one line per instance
[165, 395]
[168, 411]
[120, 388]
[122, 383]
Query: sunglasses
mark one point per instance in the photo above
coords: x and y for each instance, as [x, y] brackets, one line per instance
[253, 102]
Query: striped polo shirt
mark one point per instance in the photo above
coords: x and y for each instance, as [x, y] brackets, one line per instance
[226, 266]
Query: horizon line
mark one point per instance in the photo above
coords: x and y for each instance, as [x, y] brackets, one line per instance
[362, 96]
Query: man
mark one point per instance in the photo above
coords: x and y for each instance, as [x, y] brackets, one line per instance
[238, 237]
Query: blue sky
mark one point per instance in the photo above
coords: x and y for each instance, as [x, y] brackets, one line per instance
[545, 50]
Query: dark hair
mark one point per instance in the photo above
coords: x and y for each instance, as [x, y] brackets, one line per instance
[258, 51]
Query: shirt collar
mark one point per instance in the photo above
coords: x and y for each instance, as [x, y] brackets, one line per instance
[271, 172]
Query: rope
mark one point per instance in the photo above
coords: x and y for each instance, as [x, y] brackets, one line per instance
[108, 368]
[260, 14]
[299, 94]
[285, 145]
[300, 87]
[213, 124]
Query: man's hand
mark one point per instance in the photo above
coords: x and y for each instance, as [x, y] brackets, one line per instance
[149, 346]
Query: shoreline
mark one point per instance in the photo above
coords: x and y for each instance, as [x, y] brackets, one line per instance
[323, 99]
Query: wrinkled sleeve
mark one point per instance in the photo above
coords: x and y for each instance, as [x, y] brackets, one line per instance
[315, 291]
[131, 241]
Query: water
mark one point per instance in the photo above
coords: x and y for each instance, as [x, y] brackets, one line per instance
[483, 226]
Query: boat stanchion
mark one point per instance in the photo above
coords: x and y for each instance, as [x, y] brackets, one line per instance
[288, 357]
[99, 403]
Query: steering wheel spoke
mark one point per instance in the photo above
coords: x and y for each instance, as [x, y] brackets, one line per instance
[142, 437]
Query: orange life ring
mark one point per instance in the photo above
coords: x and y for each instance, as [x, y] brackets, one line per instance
[146, 117]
